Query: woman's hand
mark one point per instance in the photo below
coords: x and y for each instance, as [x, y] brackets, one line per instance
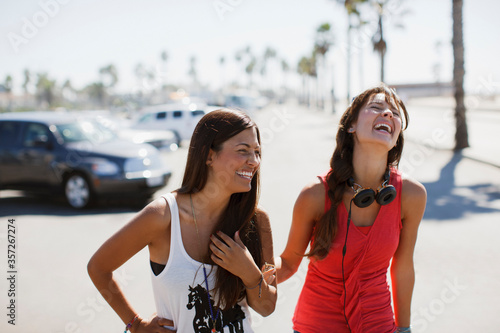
[153, 325]
[269, 272]
[232, 255]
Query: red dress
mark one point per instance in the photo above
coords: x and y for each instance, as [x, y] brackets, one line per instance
[320, 308]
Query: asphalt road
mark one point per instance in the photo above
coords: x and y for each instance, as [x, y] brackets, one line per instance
[457, 287]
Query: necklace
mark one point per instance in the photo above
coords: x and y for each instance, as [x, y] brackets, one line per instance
[214, 319]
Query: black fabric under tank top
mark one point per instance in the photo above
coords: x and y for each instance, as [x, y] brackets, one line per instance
[157, 268]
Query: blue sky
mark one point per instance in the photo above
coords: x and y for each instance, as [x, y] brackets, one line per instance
[72, 39]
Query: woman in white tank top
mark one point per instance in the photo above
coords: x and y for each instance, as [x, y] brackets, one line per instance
[210, 245]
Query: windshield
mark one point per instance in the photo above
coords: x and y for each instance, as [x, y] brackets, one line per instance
[85, 131]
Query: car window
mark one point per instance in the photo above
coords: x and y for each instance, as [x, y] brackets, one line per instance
[177, 114]
[33, 133]
[9, 133]
[161, 115]
[146, 118]
[197, 113]
[84, 131]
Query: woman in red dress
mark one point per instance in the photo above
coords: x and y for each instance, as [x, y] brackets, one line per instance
[352, 245]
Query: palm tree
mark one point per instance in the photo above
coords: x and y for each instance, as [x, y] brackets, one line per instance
[8, 84]
[146, 79]
[27, 79]
[238, 56]
[45, 90]
[383, 8]
[379, 43]
[324, 39]
[164, 60]
[323, 42]
[96, 92]
[307, 69]
[249, 69]
[222, 63]
[140, 73]
[461, 135]
[302, 69]
[285, 68]
[109, 78]
[269, 54]
[352, 8]
[164, 57]
[109, 75]
[193, 72]
[67, 91]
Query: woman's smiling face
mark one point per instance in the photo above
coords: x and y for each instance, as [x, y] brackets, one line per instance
[234, 166]
[379, 122]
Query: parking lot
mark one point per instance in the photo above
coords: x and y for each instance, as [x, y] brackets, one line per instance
[456, 288]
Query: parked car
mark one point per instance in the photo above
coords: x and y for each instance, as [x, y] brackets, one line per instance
[241, 101]
[163, 140]
[180, 118]
[58, 152]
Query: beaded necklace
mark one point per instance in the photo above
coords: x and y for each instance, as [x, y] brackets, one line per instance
[214, 319]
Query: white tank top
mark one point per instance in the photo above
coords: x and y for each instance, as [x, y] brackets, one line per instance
[180, 293]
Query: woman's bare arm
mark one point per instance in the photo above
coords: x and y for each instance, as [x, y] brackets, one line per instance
[413, 202]
[141, 231]
[309, 207]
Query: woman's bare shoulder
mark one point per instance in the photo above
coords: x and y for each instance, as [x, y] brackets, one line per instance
[262, 219]
[157, 214]
[314, 187]
[312, 196]
[413, 200]
[413, 189]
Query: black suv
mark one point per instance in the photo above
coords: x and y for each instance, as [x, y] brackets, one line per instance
[58, 152]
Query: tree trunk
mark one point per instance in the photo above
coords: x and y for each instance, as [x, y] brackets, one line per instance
[349, 32]
[304, 90]
[461, 136]
[382, 51]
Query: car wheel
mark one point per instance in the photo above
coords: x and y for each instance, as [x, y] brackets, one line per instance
[77, 191]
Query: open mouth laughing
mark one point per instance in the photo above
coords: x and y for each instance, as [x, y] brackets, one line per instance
[383, 127]
[245, 174]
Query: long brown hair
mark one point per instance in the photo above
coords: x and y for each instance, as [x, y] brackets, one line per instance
[212, 131]
[342, 168]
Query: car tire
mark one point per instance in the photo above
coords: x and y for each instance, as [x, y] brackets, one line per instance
[77, 191]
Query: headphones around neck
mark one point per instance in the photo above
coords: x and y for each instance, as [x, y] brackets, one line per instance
[364, 197]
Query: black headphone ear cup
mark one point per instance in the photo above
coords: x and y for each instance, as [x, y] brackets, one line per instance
[386, 195]
[364, 198]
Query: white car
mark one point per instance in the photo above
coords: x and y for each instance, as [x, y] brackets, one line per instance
[179, 118]
[164, 140]
[246, 101]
